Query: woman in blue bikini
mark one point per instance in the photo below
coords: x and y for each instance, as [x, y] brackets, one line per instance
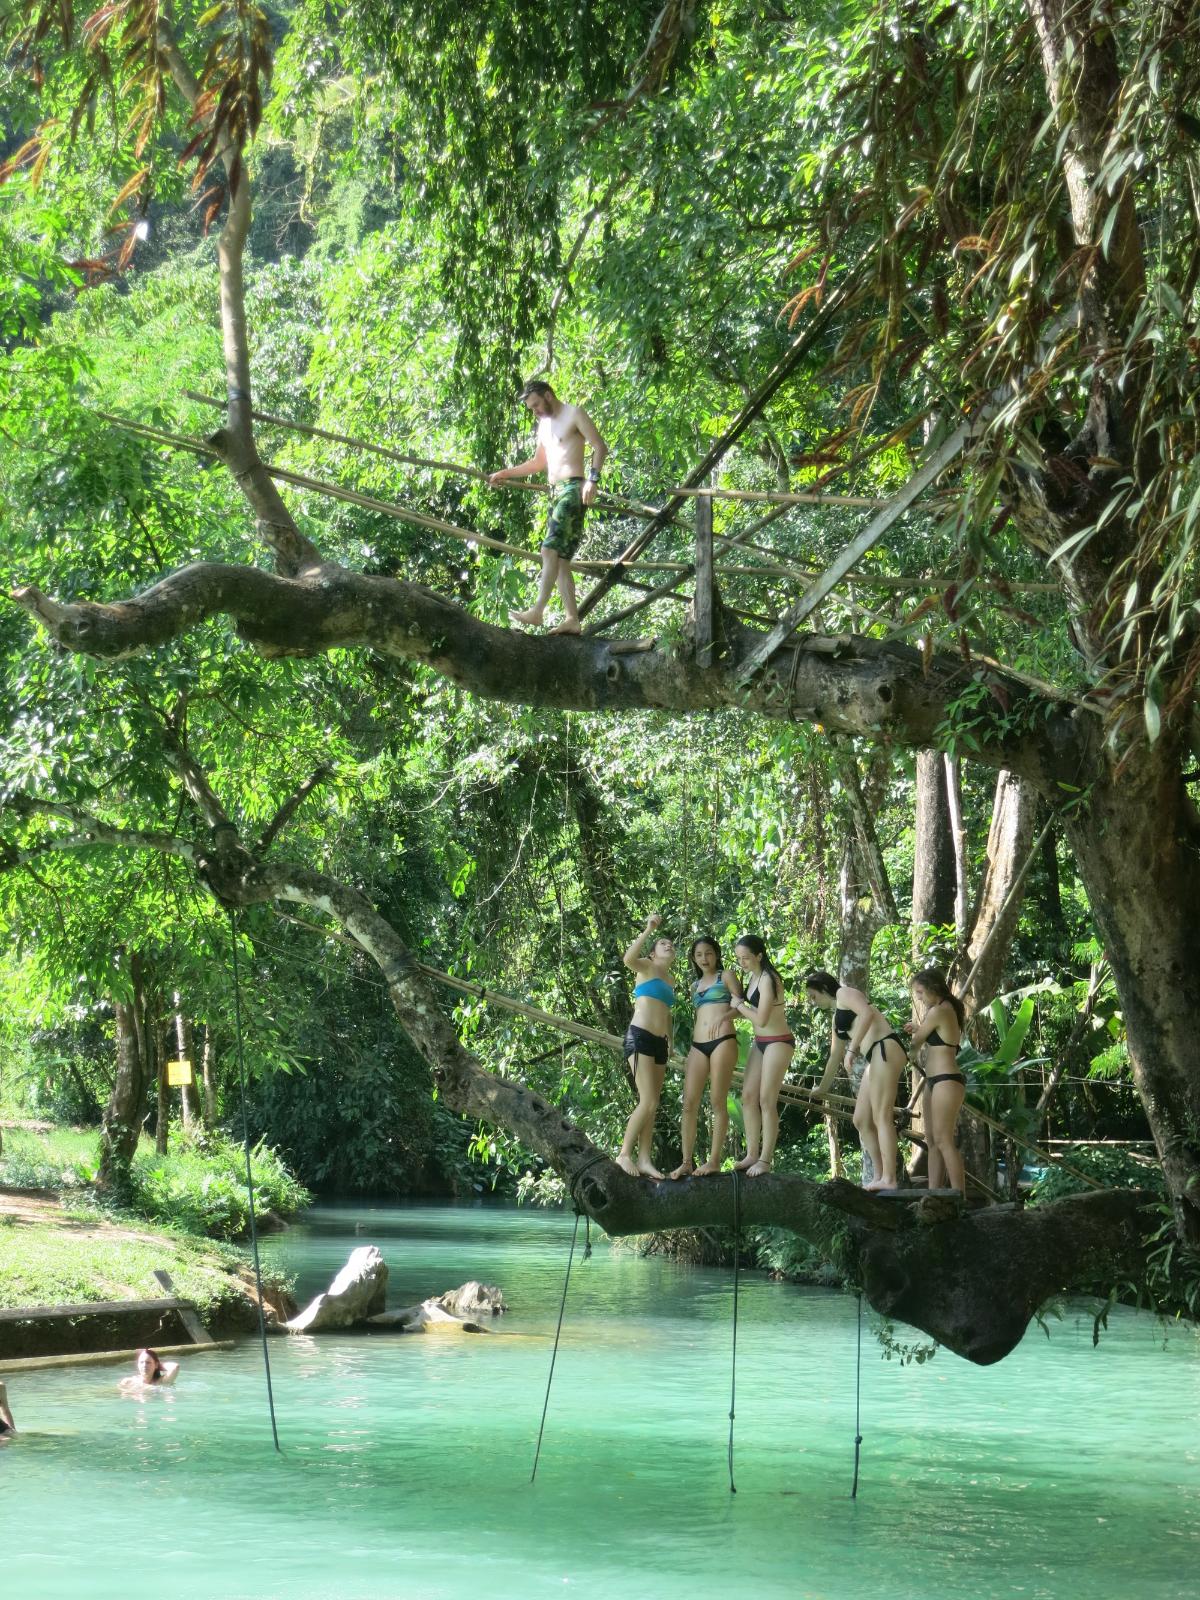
[647, 1044]
[714, 1052]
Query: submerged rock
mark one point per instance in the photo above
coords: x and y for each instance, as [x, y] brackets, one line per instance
[473, 1296]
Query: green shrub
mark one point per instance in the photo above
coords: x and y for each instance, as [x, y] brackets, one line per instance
[60, 1158]
[203, 1190]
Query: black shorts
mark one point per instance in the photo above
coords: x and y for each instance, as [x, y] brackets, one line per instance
[641, 1042]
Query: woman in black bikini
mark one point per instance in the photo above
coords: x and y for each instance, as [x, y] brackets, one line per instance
[937, 1025]
[861, 1029]
[647, 1044]
[714, 1051]
[771, 1056]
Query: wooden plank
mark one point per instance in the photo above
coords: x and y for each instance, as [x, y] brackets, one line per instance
[91, 1308]
[99, 1358]
[949, 450]
[702, 602]
[187, 1312]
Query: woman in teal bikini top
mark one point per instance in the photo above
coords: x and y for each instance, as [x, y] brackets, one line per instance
[712, 1057]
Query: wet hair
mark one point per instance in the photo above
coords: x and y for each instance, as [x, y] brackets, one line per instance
[823, 982]
[933, 979]
[536, 386]
[157, 1373]
[756, 947]
[703, 938]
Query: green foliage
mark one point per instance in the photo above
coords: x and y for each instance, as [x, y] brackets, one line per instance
[1115, 1169]
[196, 1187]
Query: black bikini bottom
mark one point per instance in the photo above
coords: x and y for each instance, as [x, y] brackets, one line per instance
[641, 1042]
[946, 1077]
[879, 1044]
[707, 1046]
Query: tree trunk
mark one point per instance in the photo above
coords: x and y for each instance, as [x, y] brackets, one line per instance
[933, 851]
[958, 844]
[121, 1123]
[208, 1072]
[189, 1099]
[998, 906]
[162, 1119]
[1137, 843]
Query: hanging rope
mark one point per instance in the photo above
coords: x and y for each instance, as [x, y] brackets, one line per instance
[554, 1356]
[857, 1401]
[241, 1054]
[737, 1239]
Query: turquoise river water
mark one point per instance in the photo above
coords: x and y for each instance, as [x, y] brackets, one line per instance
[1063, 1473]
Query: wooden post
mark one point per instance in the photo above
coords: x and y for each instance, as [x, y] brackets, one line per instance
[702, 605]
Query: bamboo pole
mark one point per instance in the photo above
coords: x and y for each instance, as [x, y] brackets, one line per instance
[777, 497]
[726, 542]
[612, 502]
[637, 508]
[388, 508]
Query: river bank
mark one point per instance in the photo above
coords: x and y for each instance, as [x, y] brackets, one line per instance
[53, 1251]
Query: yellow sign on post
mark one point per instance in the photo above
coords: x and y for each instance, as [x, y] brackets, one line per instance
[179, 1072]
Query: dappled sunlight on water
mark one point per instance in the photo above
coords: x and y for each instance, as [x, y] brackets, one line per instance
[1064, 1472]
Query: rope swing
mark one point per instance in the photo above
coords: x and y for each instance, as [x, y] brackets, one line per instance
[554, 1354]
[241, 1054]
[737, 1240]
[857, 1401]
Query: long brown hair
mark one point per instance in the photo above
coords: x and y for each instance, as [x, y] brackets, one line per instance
[933, 979]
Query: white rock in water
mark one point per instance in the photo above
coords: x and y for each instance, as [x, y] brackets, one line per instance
[359, 1291]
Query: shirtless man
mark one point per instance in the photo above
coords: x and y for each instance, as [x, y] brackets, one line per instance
[563, 430]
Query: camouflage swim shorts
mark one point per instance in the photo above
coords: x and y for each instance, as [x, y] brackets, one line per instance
[564, 525]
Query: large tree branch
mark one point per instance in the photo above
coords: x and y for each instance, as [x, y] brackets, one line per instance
[849, 684]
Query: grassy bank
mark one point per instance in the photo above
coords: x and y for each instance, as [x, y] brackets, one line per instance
[198, 1187]
[53, 1255]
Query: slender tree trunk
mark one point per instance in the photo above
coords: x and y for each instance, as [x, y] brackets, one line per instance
[121, 1123]
[208, 1072]
[998, 906]
[189, 1100]
[934, 877]
[158, 1030]
[958, 841]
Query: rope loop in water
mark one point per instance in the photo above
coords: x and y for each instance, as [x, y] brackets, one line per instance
[241, 1055]
[857, 1401]
[554, 1356]
[737, 1236]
